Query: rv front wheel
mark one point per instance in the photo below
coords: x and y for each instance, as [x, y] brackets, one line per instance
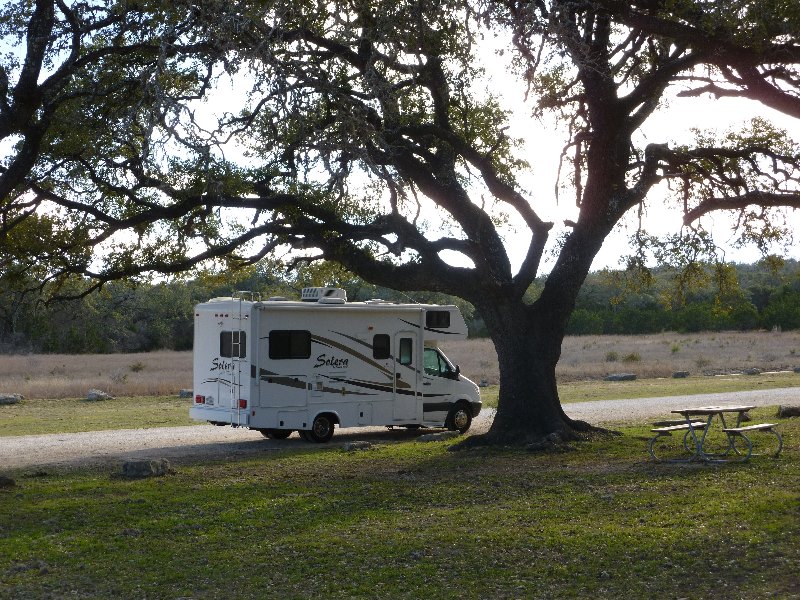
[459, 419]
[321, 429]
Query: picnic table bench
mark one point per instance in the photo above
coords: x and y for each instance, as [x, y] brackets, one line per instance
[696, 432]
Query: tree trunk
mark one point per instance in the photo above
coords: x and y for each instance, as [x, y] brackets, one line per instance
[528, 345]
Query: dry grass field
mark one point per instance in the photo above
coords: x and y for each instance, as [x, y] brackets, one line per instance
[587, 357]
[71, 376]
[659, 355]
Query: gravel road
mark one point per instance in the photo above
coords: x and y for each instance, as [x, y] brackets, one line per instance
[207, 442]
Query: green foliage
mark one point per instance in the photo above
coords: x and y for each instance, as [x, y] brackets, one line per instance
[783, 310]
[713, 298]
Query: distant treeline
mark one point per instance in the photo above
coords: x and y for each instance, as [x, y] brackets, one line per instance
[703, 298]
[123, 317]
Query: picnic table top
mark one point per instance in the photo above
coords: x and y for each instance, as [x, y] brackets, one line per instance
[712, 410]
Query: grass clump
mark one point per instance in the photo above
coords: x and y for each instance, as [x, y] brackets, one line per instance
[632, 357]
[412, 520]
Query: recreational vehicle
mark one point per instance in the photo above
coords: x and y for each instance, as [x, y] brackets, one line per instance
[279, 366]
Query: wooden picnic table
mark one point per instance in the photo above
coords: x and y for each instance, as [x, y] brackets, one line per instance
[697, 429]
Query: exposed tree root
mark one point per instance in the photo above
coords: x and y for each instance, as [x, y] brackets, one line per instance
[559, 440]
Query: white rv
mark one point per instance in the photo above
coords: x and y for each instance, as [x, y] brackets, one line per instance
[279, 366]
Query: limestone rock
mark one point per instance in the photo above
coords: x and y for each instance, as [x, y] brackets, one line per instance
[11, 398]
[620, 377]
[360, 445]
[789, 411]
[147, 467]
[438, 437]
[680, 374]
[98, 395]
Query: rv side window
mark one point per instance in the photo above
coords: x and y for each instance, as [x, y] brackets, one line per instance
[405, 351]
[437, 319]
[285, 343]
[233, 344]
[381, 346]
[430, 359]
[435, 364]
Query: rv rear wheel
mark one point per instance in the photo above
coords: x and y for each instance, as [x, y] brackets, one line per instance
[276, 434]
[321, 429]
[460, 418]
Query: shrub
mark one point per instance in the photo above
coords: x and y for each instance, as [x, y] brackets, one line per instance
[702, 362]
[632, 357]
[612, 356]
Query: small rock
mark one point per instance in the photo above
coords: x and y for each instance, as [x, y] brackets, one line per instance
[438, 437]
[185, 394]
[753, 371]
[797, 369]
[789, 411]
[11, 398]
[620, 377]
[138, 469]
[97, 396]
[7, 482]
[353, 446]
[680, 374]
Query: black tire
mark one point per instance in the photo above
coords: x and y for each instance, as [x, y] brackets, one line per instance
[275, 434]
[321, 429]
[460, 418]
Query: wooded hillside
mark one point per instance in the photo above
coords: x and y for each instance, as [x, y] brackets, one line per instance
[138, 318]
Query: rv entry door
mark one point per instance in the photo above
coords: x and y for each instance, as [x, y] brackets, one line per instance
[405, 377]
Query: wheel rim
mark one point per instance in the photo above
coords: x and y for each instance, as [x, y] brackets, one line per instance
[460, 419]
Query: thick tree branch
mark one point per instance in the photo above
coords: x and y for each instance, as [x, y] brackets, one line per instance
[740, 202]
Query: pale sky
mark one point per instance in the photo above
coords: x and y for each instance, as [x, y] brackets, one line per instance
[672, 124]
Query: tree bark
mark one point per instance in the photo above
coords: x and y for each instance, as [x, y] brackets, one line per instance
[528, 343]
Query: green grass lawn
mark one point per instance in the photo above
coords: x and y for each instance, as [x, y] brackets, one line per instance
[412, 520]
[36, 416]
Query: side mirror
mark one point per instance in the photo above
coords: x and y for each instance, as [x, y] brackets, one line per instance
[458, 371]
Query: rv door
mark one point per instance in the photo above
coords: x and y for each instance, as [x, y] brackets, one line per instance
[405, 377]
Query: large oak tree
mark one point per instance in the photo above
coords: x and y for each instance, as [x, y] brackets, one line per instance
[367, 122]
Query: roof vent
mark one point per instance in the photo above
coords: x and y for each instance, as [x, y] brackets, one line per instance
[328, 295]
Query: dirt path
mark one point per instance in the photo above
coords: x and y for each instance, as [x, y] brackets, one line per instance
[207, 442]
